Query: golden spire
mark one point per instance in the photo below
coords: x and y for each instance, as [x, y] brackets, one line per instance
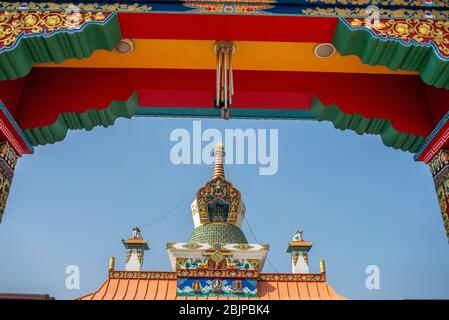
[218, 167]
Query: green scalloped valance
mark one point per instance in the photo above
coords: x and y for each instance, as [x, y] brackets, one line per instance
[127, 109]
[50, 43]
[413, 45]
[86, 120]
[362, 125]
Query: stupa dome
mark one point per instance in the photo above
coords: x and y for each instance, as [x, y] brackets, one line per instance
[213, 233]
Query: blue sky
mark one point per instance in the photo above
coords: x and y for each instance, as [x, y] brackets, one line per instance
[360, 202]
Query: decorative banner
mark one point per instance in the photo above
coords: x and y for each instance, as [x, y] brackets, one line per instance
[15, 25]
[427, 33]
[225, 287]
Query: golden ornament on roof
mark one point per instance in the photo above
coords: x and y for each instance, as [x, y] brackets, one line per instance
[217, 256]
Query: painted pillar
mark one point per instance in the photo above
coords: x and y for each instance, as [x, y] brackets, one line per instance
[8, 160]
[135, 248]
[299, 250]
[439, 167]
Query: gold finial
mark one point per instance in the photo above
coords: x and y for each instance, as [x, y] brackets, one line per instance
[322, 266]
[218, 167]
[112, 263]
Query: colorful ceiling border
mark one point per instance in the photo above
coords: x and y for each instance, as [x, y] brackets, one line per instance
[321, 8]
[399, 44]
[39, 37]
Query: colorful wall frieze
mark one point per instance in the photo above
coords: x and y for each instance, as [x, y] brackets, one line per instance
[410, 44]
[142, 275]
[231, 263]
[226, 287]
[15, 25]
[333, 8]
[228, 8]
[417, 3]
[87, 6]
[317, 277]
[360, 12]
[232, 7]
[431, 33]
[209, 273]
[28, 37]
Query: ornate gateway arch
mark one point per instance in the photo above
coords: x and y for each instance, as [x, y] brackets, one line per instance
[374, 67]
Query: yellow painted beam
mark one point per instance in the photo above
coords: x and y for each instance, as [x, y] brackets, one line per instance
[249, 55]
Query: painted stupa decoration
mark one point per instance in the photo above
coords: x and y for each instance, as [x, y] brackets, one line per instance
[218, 209]
[218, 200]
[217, 260]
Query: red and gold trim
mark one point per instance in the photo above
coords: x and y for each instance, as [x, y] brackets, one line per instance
[300, 277]
[15, 25]
[287, 277]
[141, 275]
[234, 8]
[185, 273]
[433, 33]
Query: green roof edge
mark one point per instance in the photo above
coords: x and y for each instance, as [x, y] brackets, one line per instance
[394, 54]
[17, 61]
[82, 120]
[362, 125]
[129, 108]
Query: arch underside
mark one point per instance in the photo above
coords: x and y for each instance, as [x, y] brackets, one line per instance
[394, 107]
[87, 120]
[401, 107]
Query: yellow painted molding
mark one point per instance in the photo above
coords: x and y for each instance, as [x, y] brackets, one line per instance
[249, 55]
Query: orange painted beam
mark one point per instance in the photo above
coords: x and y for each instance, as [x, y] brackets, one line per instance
[249, 55]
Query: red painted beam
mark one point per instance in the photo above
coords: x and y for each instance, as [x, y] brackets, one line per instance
[438, 100]
[402, 99]
[10, 92]
[243, 100]
[227, 27]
